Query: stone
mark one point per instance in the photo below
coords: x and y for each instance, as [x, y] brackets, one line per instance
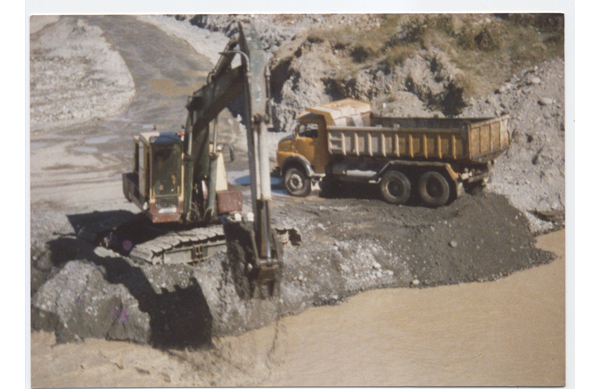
[453, 243]
[535, 81]
[545, 101]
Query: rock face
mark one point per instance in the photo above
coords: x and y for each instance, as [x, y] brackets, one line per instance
[107, 296]
[79, 302]
[425, 85]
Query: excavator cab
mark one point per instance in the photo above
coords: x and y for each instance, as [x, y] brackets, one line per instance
[155, 184]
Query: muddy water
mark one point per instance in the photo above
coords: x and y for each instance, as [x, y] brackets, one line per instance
[504, 333]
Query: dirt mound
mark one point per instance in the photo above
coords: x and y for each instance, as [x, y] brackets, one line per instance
[532, 173]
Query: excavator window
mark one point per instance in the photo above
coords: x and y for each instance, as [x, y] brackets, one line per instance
[166, 170]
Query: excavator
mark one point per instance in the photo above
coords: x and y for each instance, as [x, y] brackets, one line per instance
[179, 182]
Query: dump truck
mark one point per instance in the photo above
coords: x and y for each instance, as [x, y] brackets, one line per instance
[433, 159]
[179, 181]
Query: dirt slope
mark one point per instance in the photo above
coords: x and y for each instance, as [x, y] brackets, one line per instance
[83, 75]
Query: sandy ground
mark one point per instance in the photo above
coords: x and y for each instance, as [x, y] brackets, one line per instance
[504, 333]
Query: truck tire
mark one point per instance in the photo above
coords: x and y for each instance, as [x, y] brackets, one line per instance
[434, 189]
[296, 182]
[395, 187]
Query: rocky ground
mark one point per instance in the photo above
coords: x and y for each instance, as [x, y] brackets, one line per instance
[83, 86]
[532, 173]
[352, 241]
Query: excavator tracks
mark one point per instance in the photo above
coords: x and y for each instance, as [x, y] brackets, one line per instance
[133, 236]
[186, 246]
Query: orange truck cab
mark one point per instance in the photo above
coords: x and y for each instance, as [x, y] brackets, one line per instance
[303, 157]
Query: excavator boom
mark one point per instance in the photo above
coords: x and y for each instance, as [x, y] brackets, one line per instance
[224, 84]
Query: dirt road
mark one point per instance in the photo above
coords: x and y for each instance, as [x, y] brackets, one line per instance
[76, 168]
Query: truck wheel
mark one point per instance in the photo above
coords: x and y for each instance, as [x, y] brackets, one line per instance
[296, 182]
[433, 188]
[395, 187]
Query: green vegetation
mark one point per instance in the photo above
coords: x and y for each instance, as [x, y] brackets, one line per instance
[488, 48]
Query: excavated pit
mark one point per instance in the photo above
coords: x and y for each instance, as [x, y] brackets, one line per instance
[352, 242]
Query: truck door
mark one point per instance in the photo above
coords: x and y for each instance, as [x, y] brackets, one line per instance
[311, 143]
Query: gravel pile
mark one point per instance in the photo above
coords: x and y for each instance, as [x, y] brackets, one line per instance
[349, 246]
[75, 76]
[532, 173]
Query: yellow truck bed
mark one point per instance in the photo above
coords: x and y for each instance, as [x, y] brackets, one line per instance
[474, 139]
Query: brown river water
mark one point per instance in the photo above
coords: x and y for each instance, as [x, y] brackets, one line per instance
[503, 333]
[509, 332]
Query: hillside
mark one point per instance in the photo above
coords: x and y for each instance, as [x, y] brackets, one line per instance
[431, 65]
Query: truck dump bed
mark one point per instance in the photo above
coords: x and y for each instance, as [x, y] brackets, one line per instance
[474, 139]
[354, 131]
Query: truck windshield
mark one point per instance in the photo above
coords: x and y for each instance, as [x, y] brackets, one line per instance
[308, 130]
[166, 170]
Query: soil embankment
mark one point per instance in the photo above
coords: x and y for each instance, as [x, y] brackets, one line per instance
[510, 332]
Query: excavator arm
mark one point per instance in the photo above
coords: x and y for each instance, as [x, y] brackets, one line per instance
[203, 107]
[224, 84]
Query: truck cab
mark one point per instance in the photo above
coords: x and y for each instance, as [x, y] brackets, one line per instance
[303, 157]
[308, 143]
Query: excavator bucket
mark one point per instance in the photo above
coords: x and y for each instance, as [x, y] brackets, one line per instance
[253, 277]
